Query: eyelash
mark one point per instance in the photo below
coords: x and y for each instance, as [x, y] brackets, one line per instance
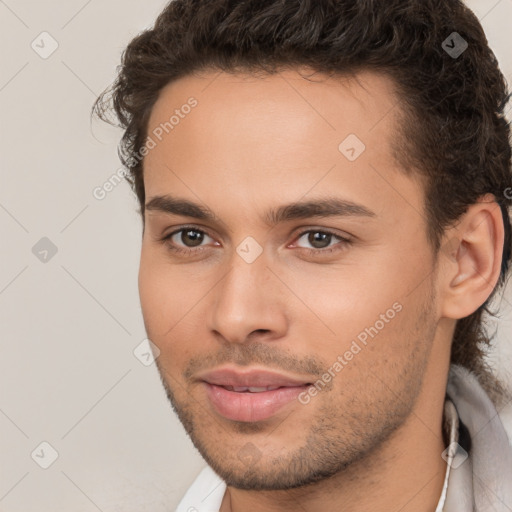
[313, 252]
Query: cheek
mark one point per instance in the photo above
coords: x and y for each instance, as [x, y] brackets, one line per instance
[341, 301]
[152, 295]
[171, 305]
[158, 293]
[363, 312]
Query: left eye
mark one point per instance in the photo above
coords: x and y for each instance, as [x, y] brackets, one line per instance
[322, 241]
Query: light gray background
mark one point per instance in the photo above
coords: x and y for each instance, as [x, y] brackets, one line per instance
[69, 326]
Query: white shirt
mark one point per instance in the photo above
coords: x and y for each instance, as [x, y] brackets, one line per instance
[478, 474]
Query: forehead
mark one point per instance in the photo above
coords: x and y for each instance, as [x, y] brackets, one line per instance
[261, 136]
[295, 99]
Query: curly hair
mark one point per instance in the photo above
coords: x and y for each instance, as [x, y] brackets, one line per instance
[453, 133]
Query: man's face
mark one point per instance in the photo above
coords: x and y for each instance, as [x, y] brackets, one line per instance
[344, 301]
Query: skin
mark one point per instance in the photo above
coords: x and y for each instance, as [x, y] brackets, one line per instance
[372, 438]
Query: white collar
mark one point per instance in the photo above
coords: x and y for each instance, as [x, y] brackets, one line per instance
[451, 427]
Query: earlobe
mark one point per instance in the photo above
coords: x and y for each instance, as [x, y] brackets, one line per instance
[472, 270]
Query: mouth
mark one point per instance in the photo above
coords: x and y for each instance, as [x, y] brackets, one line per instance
[254, 389]
[253, 395]
[250, 406]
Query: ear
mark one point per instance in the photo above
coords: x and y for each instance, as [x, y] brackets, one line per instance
[471, 256]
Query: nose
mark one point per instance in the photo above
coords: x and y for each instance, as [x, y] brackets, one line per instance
[248, 302]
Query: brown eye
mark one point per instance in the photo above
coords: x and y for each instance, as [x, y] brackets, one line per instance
[186, 240]
[319, 239]
[193, 236]
[321, 242]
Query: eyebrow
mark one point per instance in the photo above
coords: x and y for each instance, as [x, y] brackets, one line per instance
[321, 207]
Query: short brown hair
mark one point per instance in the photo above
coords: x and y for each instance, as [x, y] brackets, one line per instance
[454, 134]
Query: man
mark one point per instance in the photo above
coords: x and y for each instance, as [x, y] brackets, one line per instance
[323, 192]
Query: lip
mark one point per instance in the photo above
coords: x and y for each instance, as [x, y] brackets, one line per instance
[250, 378]
[245, 405]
